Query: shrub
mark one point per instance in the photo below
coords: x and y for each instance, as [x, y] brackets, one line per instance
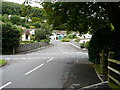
[65, 40]
[10, 38]
[45, 40]
[26, 25]
[85, 45]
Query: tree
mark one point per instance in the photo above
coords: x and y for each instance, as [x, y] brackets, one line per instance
[15, 19]
[10, 38]
[43, 32]
[84, 17]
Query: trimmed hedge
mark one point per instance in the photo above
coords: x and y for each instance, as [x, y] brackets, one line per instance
[10, 38]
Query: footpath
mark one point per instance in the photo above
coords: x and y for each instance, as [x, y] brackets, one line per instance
[82, 76]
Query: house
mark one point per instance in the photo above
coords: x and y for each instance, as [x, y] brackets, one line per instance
[85, 38]
[26, 34]
[58, 34]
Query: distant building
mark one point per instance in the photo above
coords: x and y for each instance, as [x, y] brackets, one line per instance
[26, 34]
[85, 37]
[58, 34]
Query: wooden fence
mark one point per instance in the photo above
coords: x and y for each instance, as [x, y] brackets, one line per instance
[113, 70]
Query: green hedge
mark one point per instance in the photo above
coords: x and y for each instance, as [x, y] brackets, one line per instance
[10, 38]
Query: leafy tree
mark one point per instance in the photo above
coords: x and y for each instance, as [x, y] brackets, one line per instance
[83, 17]
[15, 19]
[43, 32]
[11, 8]
[5, 18]
[36, 24]
[35, 19]
[10, 38]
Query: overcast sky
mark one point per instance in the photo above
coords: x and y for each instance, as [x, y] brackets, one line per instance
[21, 1]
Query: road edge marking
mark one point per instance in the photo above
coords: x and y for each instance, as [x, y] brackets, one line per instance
[5, 85]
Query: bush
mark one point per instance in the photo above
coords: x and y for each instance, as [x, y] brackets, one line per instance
[45, 40]
[10, 38]
[85, 45]
[26, 25]
[70, 36]
[37, 25]
[65, 40]
[77, 40]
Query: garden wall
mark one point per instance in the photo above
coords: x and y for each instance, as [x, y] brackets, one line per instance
[27, 47]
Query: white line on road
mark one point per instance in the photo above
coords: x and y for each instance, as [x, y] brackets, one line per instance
[50, 59]
[34, 69]
[5, 85]
[75, 45]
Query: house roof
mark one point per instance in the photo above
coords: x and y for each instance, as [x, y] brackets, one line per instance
[59, 31]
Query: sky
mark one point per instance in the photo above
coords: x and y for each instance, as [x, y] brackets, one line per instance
[21, 1]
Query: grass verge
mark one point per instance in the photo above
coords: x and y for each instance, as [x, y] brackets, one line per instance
[98, 68]
[114, 87]
[2, 62]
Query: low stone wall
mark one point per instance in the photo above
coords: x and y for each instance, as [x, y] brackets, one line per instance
[27, 47]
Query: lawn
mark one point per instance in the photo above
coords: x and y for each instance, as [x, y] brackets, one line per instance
[2, 62]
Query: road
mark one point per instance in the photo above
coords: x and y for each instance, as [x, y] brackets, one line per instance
[40, 69]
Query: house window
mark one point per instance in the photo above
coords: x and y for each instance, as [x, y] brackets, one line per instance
[27, 37]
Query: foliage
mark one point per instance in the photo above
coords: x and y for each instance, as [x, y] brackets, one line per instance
[32, 37]
[28, 42]
[98, 42]
[76, 15]
[70, 36]
[11, 8]
[43, 33]
[2, 62]
[85, 45]
[45, 40]
[15, 19]
[36, 24]
[35, 19]
[10, 37]
[5, 18]
[65, 40]
[26, 25]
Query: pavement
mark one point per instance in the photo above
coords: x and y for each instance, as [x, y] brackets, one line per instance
[45, 68]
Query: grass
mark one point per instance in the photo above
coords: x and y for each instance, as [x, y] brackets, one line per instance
[114, 86]
[2, 62]
[98, 68]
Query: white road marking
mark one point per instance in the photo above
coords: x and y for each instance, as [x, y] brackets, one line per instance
[5, 85]
[23, 58]
[50, 59]
[75, 45]
[34, 69]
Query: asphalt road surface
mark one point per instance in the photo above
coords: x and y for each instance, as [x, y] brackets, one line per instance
[40, 69]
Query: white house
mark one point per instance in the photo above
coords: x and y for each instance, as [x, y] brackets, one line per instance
[58, 34]
[85, 37]
[26, 34]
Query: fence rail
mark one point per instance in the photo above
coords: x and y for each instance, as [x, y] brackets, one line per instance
[114, 71]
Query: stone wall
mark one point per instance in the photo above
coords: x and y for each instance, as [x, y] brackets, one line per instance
[27, 47]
